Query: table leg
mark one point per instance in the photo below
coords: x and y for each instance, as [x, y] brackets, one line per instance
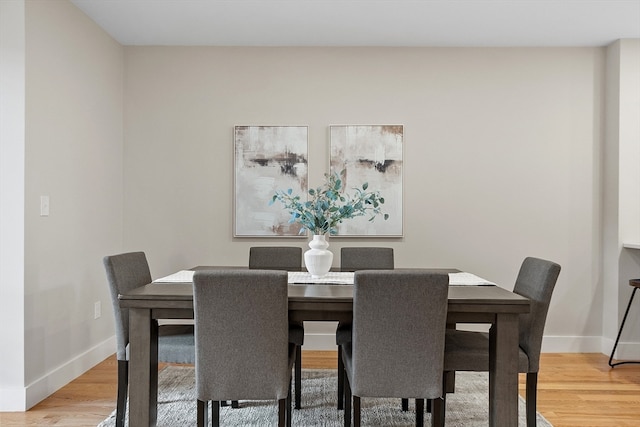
[143, 368]
[503, 371]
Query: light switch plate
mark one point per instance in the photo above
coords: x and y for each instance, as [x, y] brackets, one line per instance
[44, 205]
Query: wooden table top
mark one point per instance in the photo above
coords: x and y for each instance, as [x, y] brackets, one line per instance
[471, 297]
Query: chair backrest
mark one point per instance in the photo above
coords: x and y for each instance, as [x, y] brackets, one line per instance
[287, 258]
[124, 272]
[398, 333]
[536, 281]
[241, 330]
[366, 258]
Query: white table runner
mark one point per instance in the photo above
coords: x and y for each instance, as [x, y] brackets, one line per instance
[300, 277]
[182, 276]
[333, 278]
[467, 279]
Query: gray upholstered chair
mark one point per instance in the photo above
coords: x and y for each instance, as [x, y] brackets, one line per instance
[353, 259]
[287, 258]
[175, 342]
[366, 258]
[469, 351]
[242, 339]
[397, 348]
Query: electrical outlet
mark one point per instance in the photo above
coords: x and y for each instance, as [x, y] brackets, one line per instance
[97, 310]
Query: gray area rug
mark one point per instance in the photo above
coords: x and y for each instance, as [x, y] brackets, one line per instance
[467, 407]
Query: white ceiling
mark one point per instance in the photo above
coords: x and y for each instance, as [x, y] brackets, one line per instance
[366, 23]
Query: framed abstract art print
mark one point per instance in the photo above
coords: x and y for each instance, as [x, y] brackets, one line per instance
[267, 158]
[371, 154]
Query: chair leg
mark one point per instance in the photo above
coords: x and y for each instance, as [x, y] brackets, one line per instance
[437, 412]
[123, 388]
[347, 402]
[439, 409]
[419, 412]
[340, 379]
[215, 413]
[289, 405]
[531, 396]
[282, 412]
[203, 409]
[298, 375]
[405, 405]
[357, 413]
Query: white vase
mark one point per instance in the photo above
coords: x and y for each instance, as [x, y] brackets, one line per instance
[318, 259]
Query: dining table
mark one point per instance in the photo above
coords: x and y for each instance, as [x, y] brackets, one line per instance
[323, 300]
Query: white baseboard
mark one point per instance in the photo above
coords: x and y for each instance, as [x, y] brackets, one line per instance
[550, 344]
[625, 350]
[573, 344]
[320, 342]
[21, 399]
[12, 399]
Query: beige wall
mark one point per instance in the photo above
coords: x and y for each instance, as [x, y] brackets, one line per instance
[502, 154]
[74, 79]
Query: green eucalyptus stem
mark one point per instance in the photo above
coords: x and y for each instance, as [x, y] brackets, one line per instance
[328, 205]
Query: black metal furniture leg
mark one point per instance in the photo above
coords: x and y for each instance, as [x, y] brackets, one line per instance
[624, 319]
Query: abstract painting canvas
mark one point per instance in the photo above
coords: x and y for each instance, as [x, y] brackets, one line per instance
[371, 154]
[267, 158]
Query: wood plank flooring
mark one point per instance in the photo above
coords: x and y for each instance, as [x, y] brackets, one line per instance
[582, 390]
[573, 390]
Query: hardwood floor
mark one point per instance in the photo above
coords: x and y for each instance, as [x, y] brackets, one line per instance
[582, 390]
[573, 390]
